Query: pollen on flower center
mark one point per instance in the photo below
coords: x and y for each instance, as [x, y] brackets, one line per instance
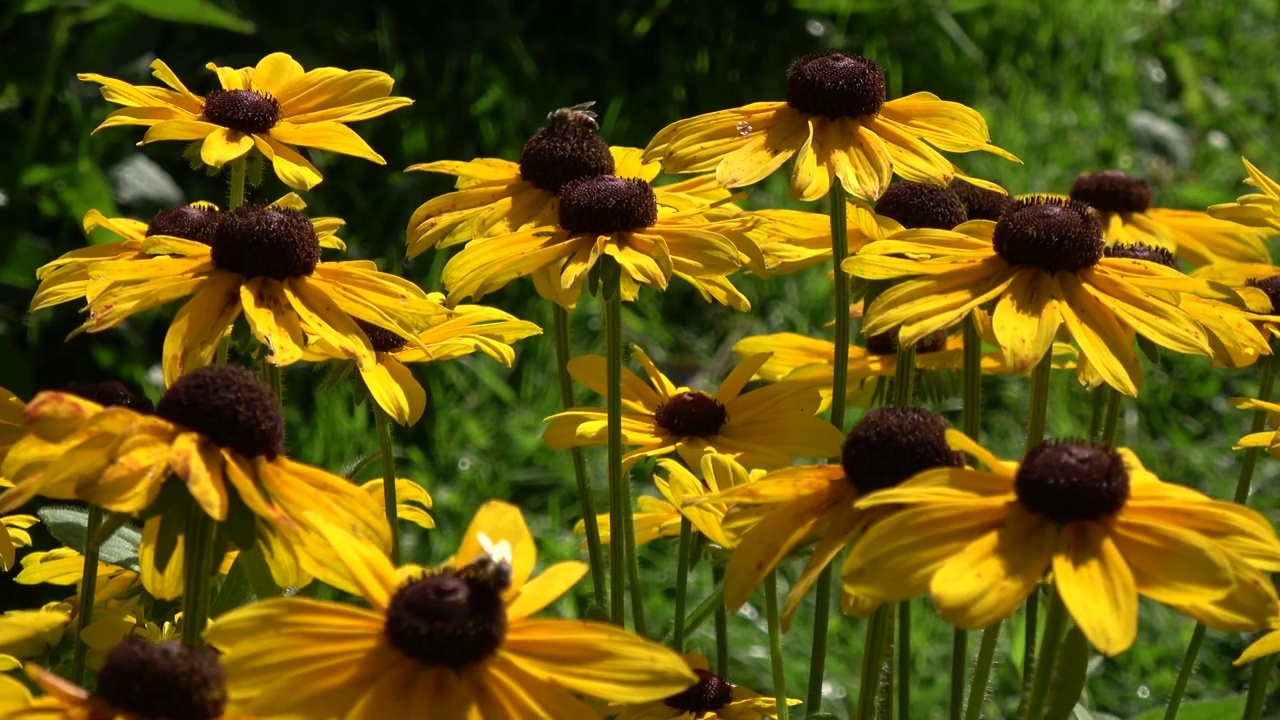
[1141, 251]
[607, 204]
[709, 694]
[452, 618]
[886, 343]
[382, 339]
[162, 681]
[890, 444]
[1049, 233]
[1072, 480]
[835, 84]
[243, 110]
[257, 241]
[229, 405]
[921, 205]
[563, 152]
[691, 414]
[187, 222]
[109, 394]
[1270, 286]
[979, 202]
[1112, 191]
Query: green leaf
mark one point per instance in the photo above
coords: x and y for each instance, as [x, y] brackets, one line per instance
[69, 525]
[1201, 710]
[195, 12]
[1069, 672]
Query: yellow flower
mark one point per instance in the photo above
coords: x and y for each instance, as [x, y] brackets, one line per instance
[15, 535]
[413, 501]
[456, 641]
[789, 506]
[64, 566]
[67, 278]
[981, 541]
[837, 123]
[28, 633]
[711, 698]
[265, 261]
[468, 329]
[1259, 210]
[762, 428]
[219, 430]
[1044, 264]
[270, 107]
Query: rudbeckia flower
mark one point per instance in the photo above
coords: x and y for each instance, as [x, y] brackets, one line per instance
[413, 499]
[14, 535]
[761, 428]
[1043, 264]
[264, 262]
[219, 430]
[887, 446]
[455, 641]
[711, 698]
[29, 633]
[67, 278]
[837, 123]
[981, 541]
[271, 107]
[138, 679]
[1258, 210]
[468, 329]
[1124, 205]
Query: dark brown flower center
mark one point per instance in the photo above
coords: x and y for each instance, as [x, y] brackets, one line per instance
[111, 393]
[382, 339]
[691, 414]
[607, 204]
[1141, 251]
[886, 343]
[257, 241]
[1112, 191]
[1071, 480]
[921, 205]
[567, 149]
[709, 694]
[229, 405]
[835, 84]
[890, 444]
[162, 681]
[187, 222]
[243, 110]
[1049, 233]
[1270, 286]
[453, 618]
[979, 202]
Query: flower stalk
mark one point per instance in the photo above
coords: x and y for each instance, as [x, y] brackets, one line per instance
[198, 561]
[1035, 434]
[972, 401]
[388, 462]
[1054, 624]
[619, 492]
[982, 671]
[88, 591]
[682, 582]
[775, 642]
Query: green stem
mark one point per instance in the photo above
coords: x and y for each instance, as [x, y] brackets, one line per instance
[982, 671]
[872, 658]
[236, 196]
[198, 561]
[1112, 419]
[586, 497]
[619, 499]
[1035, 435]
[682, 581]
[904, 659]
[959, 656]
[818, 654]
[704, 610]
[1054, 624]
[775, 642]
[1098, 400]
[633, 563]
[1257, 697]
[388, 461]
[1184, 675]
[972, 399]
[722, 625]
[88, 592]
[904, 376]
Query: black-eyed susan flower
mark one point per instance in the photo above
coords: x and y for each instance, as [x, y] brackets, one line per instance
[264, 262]
[837, 123]
[455, 641]
[138, 680]
[887, 446]
[1258, 210]
[1124, 204]
[466, 330]
[67, 278]
[761, 428]
[981, 202]
[413, 501]
[13, 535]
[711, 698]
[270, 107]
[980, 541]
[219, 431]
[1044, 265]
[30, 633]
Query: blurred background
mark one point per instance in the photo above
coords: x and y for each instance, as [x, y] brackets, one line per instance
[1171, 91]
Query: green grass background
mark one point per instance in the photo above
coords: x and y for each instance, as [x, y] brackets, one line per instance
[1172, 91]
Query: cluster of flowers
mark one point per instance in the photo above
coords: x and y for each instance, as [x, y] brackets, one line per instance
[1044, 281]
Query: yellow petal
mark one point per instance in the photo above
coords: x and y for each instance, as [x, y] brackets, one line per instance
[395, 389]
[499, 522]
[193, 336]
[1026, 319]
[990, 578]
[545, 589]
[223, 146]
[331, 136]
[368, 569]
[1096, 586]
[272, 319]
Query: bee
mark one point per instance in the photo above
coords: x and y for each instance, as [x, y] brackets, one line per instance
[492, 565]
[579, 115]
